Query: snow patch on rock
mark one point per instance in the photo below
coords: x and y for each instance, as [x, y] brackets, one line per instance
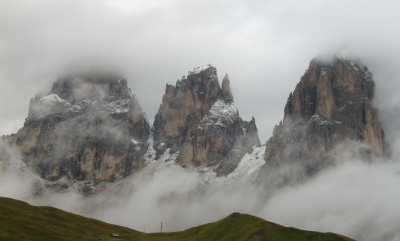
[200, 69]
[52, 98]
[354, 65]
[245, 172]
[53, 104]
[166, 161]
[319, 120]
[221, 114]
[47, 105]
[117, 107]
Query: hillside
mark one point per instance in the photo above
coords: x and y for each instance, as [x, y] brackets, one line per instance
[21, 221]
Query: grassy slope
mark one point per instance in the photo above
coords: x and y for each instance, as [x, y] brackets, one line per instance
[242, 226]
[21, 221]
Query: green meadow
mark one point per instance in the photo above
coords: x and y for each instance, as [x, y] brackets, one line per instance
[21, 221]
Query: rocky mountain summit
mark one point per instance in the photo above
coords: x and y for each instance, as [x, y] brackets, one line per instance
[329, 113]
[89, 127]
[198, 119]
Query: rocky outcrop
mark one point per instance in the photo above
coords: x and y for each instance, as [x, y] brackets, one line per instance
[198, 119]
[330, 112]
[90, 127]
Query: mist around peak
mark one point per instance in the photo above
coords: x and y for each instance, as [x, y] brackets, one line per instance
[354, 198]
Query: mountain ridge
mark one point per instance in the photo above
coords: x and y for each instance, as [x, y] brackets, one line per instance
[92, 129]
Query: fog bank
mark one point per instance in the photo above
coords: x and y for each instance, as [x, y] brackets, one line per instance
[357, 199]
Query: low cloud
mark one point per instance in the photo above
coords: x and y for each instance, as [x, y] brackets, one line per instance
[354, 198]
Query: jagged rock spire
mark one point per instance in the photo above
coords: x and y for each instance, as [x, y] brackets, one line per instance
[197, 117]
[226, 93]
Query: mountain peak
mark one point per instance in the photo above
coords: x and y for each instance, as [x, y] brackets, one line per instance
[198, 119]
[77, 87]
[330, 106]
[200, 69]
[90, 127]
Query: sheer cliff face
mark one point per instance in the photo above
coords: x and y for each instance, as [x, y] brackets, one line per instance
[89, 127]
[198, 119]
[330, 108]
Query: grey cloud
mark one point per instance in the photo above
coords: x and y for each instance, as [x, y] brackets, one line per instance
[264, 46]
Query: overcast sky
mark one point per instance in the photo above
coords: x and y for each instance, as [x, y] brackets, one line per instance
[264, 46]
